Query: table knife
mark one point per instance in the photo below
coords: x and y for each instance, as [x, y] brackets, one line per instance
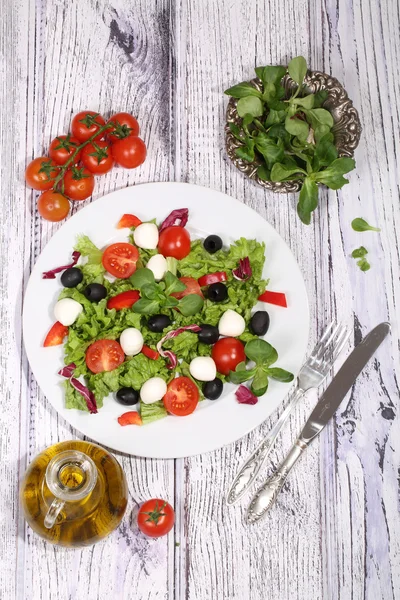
[321, 415]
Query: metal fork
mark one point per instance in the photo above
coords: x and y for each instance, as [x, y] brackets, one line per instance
[312, 374]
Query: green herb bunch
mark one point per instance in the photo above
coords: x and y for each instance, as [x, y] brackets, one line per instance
[291, 137]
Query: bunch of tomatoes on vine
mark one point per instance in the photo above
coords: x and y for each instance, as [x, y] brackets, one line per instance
[92, 148]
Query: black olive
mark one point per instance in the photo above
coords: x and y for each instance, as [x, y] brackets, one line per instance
[127, 396]
[259, 322]
[213, 389]
[217, 292]
[95, 292]
[208, 334]
[212, 244]
[157, 323]
[71, 277]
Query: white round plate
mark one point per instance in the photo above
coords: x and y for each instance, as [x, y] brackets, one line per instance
[213, 424]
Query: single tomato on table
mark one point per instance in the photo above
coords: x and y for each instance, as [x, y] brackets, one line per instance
[85, 124]
[97, 157]
[63, 147]
[104, 355]
[40, 173]
[182, 396]
[78, 183]
[174, 241]
[130, 152]
[53, 206]
[227, 353]
[192, 287]
[156, 517]
[123, 125]
[120, 259]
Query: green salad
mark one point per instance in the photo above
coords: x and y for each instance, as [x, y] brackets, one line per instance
[162, 321]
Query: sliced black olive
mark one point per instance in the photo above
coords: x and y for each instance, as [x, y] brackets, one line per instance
[208, 334]
[213, 389]
[95, 292]
[127, 396]
[217, 292]
[212, 244]
[71, 277]
[259, 322]
[157, 323]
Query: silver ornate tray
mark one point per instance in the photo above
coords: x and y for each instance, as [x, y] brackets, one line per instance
[346, 128]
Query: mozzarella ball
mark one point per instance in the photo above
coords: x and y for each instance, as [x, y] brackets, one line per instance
[231, 324]
[158, 266]
[67, 311]
[146, 236]
[153, 390]
[131, 341]
[203, 368]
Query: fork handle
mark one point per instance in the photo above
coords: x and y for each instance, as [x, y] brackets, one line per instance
[267, 494]
[253, 464]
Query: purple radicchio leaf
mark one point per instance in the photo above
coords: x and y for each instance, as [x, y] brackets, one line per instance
[244, 271]
[179, 217]
[68, 370]
[245, 396]
[52, 273]
[168, 354]
[86, 393]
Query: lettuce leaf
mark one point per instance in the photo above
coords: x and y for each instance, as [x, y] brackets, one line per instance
[85, 246]
[152, 412]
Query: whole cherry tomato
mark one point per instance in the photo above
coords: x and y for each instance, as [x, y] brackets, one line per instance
[85, 124]
[156, 517]
[40, 173]
[227, 354]
[97, 157]
[53, 206]
[78, 183]
[174, 241]
[130, 152]
[124, 125]
[62, 148]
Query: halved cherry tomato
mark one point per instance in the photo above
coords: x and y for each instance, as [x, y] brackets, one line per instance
[227, 354]
[212, 278]
[124, 125]
[123, 300]
[131, 417]
[120, 260]
[150, 353]
[40, 173]
[174, 241]
[53, 206]
[156, 518]
[104, 355]
[56, 335]
[130, 152]
[128, 221]
[192, 287]
[62, 148]
[97, 157]
[277, 298]
[85, 124]
[182, 396]
[78, 183]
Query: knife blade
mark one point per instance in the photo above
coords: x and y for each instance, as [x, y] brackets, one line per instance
[342, 382]
[321, 415]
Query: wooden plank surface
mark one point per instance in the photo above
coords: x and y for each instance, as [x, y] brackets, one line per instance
[335, 532]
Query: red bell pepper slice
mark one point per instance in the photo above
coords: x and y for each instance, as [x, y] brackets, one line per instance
[128, 220]
[123, 300]
[277, 298]
[150, 353]
[56, 335]
[212, 278]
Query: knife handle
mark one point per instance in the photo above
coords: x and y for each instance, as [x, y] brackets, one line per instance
[266, 495]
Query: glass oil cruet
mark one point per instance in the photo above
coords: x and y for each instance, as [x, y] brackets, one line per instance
[74, 494]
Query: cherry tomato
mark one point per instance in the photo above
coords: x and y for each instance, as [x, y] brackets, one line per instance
[85, 124]
[97, 157]
[227, 354]
[104, 355]
[212, 278]
[150, 353]
[182, 396]
[78, 183]
[56, 335]
[120, 260]
[125, 125]
[62, 148]
[156, 518]
[192, 287]
[174, 241]
[40, 173]
[131, 417]
[53, 206]
[130, 152]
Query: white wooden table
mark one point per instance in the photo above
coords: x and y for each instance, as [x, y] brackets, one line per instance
[335, 532]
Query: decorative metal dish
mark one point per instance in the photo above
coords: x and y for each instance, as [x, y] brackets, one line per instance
[346, 129]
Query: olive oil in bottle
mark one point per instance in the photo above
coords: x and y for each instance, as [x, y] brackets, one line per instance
[74, 494]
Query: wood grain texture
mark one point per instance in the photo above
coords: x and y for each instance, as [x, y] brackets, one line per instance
[335, 532]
